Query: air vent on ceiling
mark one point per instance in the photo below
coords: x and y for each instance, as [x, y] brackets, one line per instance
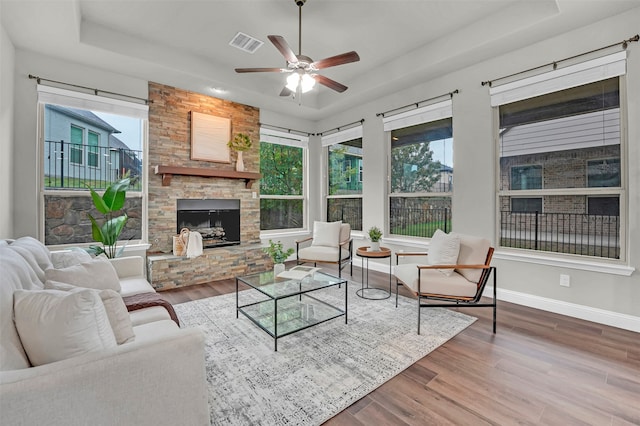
[246, 42]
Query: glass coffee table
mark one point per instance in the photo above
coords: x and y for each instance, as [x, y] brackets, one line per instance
[290, 305]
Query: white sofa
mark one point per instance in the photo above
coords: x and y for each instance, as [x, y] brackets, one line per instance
[158, 378]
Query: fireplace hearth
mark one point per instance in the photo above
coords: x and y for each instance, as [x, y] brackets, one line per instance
[217, 220]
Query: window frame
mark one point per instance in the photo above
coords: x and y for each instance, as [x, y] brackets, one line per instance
[568, 75]
[91, 102]
[274, 136]
[340, 137]
[421, 115]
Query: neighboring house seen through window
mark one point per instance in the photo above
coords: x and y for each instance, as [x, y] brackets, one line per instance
[560, 180]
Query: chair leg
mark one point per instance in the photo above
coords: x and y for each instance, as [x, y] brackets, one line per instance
[418, 314]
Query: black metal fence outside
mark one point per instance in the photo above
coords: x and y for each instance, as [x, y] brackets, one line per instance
[73, 166]
[416, 222]
[572, 233]
[348, 210]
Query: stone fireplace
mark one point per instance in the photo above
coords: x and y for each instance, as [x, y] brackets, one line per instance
[217, 184]
[217, 220]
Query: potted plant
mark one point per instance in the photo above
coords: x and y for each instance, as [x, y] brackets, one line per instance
[108, 204]
[277, 253]
[374, 235]
[240, 143]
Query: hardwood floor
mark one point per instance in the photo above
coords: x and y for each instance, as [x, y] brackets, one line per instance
[540, 369]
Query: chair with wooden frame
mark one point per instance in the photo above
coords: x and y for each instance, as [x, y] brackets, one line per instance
[326, 247]
[463, 288]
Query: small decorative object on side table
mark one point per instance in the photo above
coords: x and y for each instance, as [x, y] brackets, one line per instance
[374, 235]
[376, 293]
[278, 255]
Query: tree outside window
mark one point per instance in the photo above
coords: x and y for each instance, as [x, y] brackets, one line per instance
[281, 186]
[421, 178]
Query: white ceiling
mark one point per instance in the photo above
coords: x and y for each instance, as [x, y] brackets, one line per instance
[401, 43]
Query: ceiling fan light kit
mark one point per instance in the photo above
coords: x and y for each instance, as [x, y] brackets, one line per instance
[303, 71]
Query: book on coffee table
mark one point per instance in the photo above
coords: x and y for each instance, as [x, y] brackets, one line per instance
[298, 272]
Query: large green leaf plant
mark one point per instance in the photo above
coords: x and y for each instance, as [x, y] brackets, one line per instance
[111, 201]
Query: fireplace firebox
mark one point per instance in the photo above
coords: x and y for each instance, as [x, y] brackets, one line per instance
[217, 220]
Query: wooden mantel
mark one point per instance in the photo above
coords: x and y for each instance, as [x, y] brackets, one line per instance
[168, 171]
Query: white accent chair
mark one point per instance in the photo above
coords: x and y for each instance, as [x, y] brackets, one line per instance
[331, 243]
[456, 283]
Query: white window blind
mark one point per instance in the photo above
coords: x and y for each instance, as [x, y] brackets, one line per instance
[420, 115]
[283, 138]
[342, 136]
[68, 98]
[563, 78]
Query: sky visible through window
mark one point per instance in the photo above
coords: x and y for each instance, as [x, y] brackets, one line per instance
[131, 129]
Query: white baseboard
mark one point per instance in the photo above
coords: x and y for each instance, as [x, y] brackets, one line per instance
[587, 313]
[600, 316]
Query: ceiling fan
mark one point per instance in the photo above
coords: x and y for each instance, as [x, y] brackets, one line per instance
[302, 69]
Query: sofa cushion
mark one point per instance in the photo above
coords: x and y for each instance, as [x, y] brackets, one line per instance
[114, 306]
[147, 315]
[443, 250]
[135, 285]
[473, 251]
[151, 330]
[54, 325]
[16, 274]
[326, 233]
[97, 273]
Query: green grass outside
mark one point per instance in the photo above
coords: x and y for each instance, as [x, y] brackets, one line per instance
[425, 229]
[75, 183]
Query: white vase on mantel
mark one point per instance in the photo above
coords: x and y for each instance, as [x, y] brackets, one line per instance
[278, 268]
[239, 163]
[375, 246]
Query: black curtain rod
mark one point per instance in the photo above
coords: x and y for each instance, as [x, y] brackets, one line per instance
[95, 91]
[299, 132]
[623, 43]
[417, 104]
[337, 129]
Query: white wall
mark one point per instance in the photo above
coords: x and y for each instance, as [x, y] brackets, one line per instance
[604, 297]
[7, 54]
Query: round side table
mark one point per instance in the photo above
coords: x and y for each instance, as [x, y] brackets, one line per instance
[367, 292]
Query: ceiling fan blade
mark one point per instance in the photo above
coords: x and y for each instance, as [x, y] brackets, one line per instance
[242, 70]
[281, 44]
[331, 84]
[344, 58]
[286, 92]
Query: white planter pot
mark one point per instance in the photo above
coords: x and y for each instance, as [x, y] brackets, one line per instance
[375, 246]
[278, 268]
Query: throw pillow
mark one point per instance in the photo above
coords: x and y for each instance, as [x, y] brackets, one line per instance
[66, 258]
[55, 325]
[326, 234]
[114, 306]
[97, 273]
[443, 250]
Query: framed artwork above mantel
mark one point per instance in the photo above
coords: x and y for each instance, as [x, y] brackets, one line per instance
[209, 138]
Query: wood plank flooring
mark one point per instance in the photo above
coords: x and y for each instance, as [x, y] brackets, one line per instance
[540, 368]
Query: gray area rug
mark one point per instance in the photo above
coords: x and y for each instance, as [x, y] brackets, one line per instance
[317, 372]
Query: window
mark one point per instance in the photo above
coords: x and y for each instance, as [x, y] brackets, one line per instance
[68, 120]
[603, 173]
[77, 144]
[92, 155]
[421, 169]
[526, 177]
[282, 185]
[561, 150]
[344, 176]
